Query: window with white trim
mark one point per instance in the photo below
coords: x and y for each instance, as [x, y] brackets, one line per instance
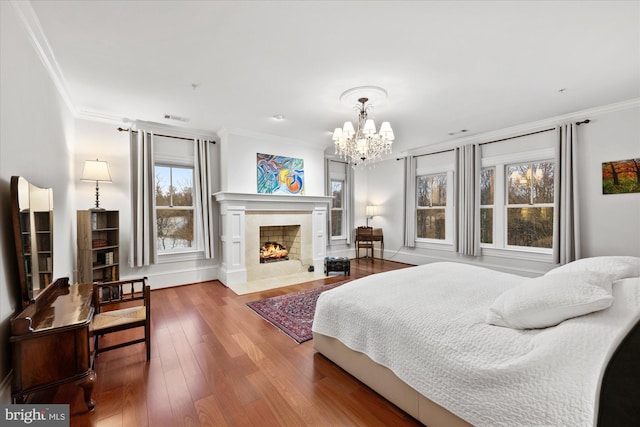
[487, 204]
[517, 187]
[529, 207]
[431, 206]
[338, 209]
[434, 199]
[175, 220]
[339, 187]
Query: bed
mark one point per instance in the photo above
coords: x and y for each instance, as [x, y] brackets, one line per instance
[454, 344]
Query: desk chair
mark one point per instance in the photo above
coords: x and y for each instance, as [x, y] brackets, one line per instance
[364, 240]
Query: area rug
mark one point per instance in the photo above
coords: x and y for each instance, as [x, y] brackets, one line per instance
[292, 313]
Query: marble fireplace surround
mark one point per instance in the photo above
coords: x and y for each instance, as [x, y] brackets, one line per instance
[242, 214]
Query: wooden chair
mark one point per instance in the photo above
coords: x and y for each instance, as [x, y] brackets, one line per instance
[117, 308]
[364, 240]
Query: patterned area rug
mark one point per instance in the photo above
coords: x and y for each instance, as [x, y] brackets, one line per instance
[292, 313]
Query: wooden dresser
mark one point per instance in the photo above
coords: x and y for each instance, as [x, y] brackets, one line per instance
[50, 341]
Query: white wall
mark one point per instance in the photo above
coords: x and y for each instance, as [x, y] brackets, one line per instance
[35, 142]
[238, 152]
[610, 224]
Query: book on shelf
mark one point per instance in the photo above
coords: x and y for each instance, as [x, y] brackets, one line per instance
[98, 243]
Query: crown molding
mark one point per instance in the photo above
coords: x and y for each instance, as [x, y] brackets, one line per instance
[43, 49]
[526, 127]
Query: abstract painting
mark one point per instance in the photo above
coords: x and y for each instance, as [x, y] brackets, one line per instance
[622, 176]
[280, 175]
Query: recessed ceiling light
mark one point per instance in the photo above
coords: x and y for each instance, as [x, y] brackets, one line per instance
[278, 117]
[564, 89]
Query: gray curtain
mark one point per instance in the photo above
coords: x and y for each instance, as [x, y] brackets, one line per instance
[203, 194]
[142, 250]
[566, 247]
[468, 200]
[410, 202]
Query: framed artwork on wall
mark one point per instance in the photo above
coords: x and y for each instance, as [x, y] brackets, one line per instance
[622, 176]
[280, 174]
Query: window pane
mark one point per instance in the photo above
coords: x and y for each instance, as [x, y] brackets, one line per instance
[336, 222]
[519, 187]
[175, 229]
[486, 225]
[336, 189]
[163, 184]
[439, 190]
[424, 190]
[543, 176]
[182, 186]
[431, 224]
[532, 227]
[487, 177]
[432, 190]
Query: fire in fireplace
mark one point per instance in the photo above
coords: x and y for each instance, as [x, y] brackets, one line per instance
[273, 251]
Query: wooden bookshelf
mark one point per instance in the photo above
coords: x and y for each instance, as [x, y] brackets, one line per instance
[98, 246]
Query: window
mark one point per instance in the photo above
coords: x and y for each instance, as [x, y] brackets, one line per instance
[337, 209]
[174, 208]
[517, 189]
[339, 187]
[487, 200]
[529, 207]
[431, 206]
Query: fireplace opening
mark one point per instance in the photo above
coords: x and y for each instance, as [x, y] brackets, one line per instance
[279, 243]
[273, 252]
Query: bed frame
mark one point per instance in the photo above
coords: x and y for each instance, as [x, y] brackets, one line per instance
[619, 393]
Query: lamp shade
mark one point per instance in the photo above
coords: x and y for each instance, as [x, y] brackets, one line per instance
[371, 210]
[96, 170]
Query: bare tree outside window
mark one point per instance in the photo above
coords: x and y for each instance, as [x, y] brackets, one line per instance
[337, 210]
[174, 208]
[431, 206]
[487, 200]
[530, 190]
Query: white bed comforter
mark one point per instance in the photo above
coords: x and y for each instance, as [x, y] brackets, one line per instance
[427, 324]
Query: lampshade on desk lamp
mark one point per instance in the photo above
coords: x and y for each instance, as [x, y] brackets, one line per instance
[98, 171]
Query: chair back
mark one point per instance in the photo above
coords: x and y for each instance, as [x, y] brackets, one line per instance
[123, 291]
[364, 234]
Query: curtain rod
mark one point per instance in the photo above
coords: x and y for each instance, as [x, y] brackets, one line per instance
[166, 136]
[532, 133]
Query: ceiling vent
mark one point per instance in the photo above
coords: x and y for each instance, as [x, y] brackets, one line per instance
[178, 118]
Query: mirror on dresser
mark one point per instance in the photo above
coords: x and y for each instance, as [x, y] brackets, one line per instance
[32, 215]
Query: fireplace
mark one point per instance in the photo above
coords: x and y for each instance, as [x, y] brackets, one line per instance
[244, 215]
[279, 243]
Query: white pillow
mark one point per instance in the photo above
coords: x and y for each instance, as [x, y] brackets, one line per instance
[620, 267]
[548, 300]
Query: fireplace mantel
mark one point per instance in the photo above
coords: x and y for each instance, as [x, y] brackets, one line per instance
[257, 202]
[233, 207]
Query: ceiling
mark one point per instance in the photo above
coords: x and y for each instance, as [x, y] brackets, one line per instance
[446, 66]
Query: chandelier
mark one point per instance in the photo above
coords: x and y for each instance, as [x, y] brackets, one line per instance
[363, 145]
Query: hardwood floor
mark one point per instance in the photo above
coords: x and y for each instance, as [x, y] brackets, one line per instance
[216, 363]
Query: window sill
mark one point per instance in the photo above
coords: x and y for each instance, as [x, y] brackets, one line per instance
[180, 256]
[536, 255]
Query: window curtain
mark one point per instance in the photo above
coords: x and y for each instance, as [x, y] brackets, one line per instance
[142, 249]
[410, 202]
[566, 247]
[468, 200]
[203, 193]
